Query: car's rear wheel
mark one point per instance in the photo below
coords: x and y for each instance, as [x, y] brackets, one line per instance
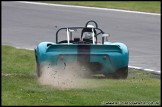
[121, 73]
[38, 67]
[39, 72]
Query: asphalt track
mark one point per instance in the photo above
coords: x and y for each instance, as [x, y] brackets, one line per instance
[26, 25]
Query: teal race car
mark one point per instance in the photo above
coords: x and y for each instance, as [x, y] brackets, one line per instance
[87, 45]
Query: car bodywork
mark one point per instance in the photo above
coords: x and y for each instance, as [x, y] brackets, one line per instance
[110, 59]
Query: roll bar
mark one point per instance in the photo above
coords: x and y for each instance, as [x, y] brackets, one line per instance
[93, 22]
[68, 28]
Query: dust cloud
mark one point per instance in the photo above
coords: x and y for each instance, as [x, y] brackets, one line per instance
[72, 75]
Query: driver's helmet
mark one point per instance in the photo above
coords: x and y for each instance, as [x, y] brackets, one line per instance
[88, 35]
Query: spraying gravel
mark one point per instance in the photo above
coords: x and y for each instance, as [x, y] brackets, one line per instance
[73, 76]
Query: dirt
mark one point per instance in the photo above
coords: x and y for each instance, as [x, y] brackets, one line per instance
[71, 76]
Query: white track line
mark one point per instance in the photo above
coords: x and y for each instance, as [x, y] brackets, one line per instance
[119, 10]
[144, 69]
[24, 48]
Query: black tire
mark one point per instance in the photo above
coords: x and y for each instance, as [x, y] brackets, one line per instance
[121, 73]
[39, 72]
[38, 67]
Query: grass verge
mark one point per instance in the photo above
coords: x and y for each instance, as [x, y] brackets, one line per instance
[20, 86]
[144, 6]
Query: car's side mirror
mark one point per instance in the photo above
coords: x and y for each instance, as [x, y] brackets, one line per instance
[70, 31]
[105, 37]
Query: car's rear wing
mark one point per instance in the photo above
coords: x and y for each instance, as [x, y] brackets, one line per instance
[96, 49]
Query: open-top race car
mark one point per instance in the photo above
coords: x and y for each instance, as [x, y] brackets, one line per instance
[87, 45]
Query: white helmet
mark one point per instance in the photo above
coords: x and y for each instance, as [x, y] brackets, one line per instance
[90, 26]
[88, 35]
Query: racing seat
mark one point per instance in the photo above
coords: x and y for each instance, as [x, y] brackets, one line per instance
[76, 39]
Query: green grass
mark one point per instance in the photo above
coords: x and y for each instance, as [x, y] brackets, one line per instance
[21, 87]
[144, 6]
